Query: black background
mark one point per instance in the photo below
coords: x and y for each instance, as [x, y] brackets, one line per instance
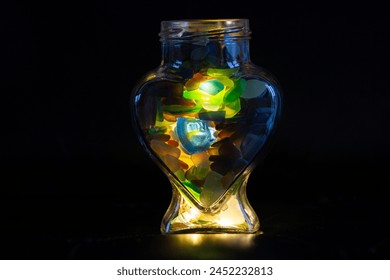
[73, 183]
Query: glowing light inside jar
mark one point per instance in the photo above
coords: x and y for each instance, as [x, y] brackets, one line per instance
[212, 87]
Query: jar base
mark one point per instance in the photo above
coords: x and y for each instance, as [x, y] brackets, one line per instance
[211, 231]
[234, 216]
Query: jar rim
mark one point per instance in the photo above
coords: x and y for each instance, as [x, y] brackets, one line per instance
[211, 28]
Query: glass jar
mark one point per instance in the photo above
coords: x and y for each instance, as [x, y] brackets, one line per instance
[205, 116]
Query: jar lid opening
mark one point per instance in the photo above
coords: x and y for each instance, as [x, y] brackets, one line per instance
[211, 28]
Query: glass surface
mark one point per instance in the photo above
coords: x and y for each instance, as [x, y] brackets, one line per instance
[205, 116]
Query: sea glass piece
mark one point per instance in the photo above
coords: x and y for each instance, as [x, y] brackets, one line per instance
[233, 94]
[212, 189]
[194, 135]
[180, 109]
[217, 116]
[251, 143]
[232, 108]
[211, 86]
[228, 83]
[199, 53]
[217, 72]
[254, 88]
[162, 149]
[193, 83]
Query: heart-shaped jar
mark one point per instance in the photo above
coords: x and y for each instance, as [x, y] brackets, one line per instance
[205, 116]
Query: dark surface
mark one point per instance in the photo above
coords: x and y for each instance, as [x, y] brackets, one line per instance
[69, 158]
[116, 229]
[342, 226]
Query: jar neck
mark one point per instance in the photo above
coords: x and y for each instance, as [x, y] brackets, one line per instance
[195, 44]
[205, 52]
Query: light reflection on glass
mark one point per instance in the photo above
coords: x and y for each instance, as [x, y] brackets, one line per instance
[238, 241]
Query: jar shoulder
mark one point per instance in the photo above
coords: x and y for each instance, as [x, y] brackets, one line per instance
[247, 71]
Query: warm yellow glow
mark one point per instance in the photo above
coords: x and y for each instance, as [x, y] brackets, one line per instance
[195, 239]
[232, 215]
[191, 214]
[224, 222]
[238, 241]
